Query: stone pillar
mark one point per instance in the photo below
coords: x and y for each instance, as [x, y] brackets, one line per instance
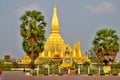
[78, 70]
[99, 70]
[38, 70]
[68, 70]
[88, 70]
[59, 70]
[48, 70]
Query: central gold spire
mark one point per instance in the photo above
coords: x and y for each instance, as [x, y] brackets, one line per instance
[55, 22]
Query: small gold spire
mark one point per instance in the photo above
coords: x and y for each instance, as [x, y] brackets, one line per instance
[55, 22]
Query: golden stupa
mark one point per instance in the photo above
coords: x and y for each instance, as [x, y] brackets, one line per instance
[55, 45]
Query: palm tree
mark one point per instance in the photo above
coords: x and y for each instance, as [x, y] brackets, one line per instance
[33, 33]
[106, 45]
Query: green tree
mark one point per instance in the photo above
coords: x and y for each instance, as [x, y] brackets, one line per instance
[106, 45]
[86, 64]
[15, 64]
[33, 33]
[92, 56]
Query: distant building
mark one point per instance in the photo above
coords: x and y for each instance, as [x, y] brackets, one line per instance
[7, 57]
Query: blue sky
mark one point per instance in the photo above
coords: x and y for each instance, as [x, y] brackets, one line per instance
[79, 21]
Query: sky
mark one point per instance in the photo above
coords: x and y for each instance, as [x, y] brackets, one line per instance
[79, 21]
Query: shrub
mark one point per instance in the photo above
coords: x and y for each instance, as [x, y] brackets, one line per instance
[5, 67]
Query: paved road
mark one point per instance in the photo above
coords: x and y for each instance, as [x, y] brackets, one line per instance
[21, 76]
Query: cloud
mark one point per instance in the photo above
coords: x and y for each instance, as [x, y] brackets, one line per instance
[28, 7]
[102, 7]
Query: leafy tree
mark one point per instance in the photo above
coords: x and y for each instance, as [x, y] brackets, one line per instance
[106, 45]
[92, 56]
[15, 64]
[86, 64]
[33, 33]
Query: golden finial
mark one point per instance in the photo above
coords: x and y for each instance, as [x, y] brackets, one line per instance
[55, 23]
